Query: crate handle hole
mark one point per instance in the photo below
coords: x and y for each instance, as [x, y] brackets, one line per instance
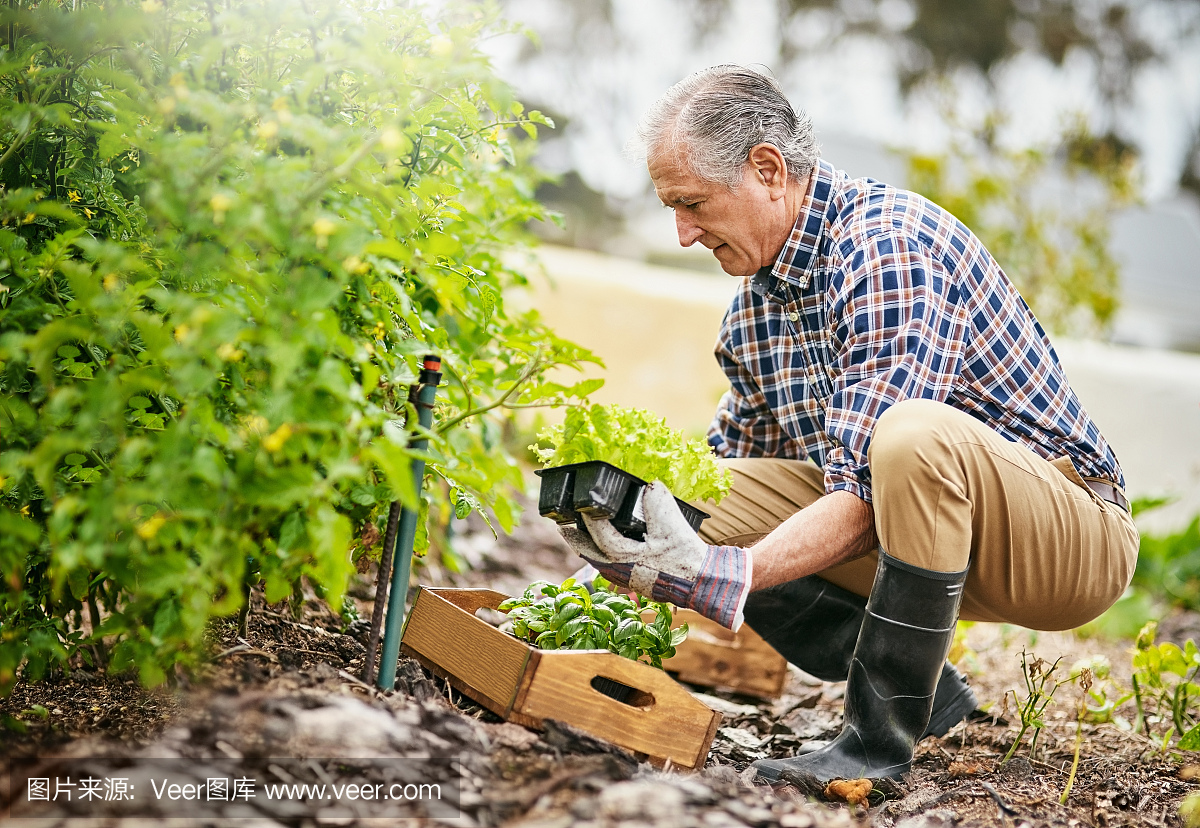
[622, 692]
[491, 616]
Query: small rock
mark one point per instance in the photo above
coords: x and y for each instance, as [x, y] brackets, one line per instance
[721, 819]
[940, 818]
[513, 736]
[584, 808]
[731, 709]
[741, 738]
[722, 773]
[749, 814]
[639, 799]
[1016, 768]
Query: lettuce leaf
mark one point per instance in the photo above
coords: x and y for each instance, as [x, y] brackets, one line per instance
[639, 442]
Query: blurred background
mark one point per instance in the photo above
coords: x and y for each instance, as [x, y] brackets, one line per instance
[1066, 134]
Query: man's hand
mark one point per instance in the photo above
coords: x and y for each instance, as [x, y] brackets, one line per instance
[672, 564]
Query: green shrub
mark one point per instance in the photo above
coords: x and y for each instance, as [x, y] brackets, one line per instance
[227, 231]
[642, 444]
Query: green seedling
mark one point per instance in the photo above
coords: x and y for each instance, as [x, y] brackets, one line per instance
[567, 617]
[1040, 685]
[640, 443]
[1084, 676]
[1104, 696]
[1165, 688]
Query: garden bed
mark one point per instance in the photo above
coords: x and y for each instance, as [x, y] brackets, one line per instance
[559, 778]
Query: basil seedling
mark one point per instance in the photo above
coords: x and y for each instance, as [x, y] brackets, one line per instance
[567, 617]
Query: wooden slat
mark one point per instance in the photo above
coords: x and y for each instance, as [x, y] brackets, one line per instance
[673, 725]
[450, 640]
[712, 656]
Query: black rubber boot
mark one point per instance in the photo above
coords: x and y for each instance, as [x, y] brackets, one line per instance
[814, 624]
[907, 631]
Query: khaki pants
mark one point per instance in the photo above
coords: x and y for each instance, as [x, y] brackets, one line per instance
[1044, 551]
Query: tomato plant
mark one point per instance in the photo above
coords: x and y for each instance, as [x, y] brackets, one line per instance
[227, 232]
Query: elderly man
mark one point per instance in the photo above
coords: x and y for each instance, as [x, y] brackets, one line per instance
[905, 446]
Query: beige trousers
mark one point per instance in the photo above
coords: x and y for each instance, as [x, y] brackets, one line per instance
[1045, 552]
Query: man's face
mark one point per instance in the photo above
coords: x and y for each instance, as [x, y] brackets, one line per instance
[740, 227]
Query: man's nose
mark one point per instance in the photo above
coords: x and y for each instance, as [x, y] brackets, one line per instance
[689, 231]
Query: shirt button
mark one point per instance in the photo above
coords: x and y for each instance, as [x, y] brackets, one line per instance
[793, 316]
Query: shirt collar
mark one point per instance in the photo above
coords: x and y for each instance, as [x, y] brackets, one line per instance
[796, 262]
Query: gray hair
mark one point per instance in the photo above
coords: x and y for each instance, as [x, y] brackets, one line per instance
[721, 113]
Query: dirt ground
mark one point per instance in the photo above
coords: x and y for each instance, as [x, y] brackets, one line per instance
[291, 688]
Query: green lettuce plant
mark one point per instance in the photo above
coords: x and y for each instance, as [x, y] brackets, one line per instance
[640, 443]
[567, 616]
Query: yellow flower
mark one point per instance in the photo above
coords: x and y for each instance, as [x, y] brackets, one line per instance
[230, 353]
[274, 442]
[29, 217]
[441, 46]
[74, 196]
[268, 130]
[324, 228]
[110, 281]
[353, 264]
[256, 424]
[25, 510]
[220, 204]
[149, 529]
[181, 333]
[87, 211]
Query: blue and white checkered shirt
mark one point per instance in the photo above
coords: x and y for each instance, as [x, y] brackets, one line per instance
[880, 296]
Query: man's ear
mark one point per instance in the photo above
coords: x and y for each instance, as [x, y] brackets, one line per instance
[766, 161]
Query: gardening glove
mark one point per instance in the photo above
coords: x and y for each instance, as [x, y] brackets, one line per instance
[672, 564]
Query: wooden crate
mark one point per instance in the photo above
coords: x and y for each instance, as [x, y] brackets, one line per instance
[712, 656]
[521, 684]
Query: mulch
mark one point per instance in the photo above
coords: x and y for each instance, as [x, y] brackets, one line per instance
[298, 674]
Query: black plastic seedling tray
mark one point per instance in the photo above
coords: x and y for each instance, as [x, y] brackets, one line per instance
[631, 520]
[600, 490]
[556, 500]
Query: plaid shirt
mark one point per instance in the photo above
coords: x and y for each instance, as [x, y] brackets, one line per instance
[880, 296]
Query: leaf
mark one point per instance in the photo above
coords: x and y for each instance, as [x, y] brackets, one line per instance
[1191, 739]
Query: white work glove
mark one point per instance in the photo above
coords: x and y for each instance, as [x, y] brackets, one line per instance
[672, 564]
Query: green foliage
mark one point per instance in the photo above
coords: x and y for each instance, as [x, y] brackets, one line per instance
[642, 444]
[1166, 690]
[1169, 566]
[1189, 810]
[1057, 257]
[1040, 686]
[568, 617]
[226, 234]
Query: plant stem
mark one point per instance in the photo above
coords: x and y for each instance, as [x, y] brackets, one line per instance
[1141, 714]
[1062, 800]
[534, 365]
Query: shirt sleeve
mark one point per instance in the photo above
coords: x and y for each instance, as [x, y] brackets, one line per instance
[898, 332]
[743, 425]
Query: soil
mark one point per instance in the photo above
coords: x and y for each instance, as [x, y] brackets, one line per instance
[291, 687]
